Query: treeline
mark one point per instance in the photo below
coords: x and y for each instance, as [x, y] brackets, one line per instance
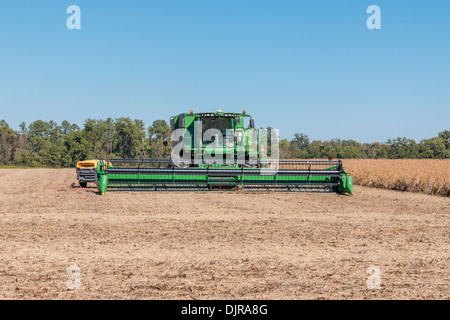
[400, 148]
[42, 143]
[49, 144]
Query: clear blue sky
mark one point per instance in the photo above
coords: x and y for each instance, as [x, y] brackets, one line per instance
[300, 66]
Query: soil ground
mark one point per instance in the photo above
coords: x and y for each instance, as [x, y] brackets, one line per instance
[217, 245]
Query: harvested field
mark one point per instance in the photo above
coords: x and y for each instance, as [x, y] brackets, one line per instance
[219, 245]
[427, 176]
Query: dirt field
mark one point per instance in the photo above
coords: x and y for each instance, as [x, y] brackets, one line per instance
[220, 245]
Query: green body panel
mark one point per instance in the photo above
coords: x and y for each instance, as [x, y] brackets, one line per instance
[102, 183]
[346, 184]
[102, 177]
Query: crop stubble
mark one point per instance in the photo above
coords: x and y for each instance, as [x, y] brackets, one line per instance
[221, 245]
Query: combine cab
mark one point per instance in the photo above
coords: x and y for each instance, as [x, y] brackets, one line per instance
[216, 151]
[221, 138]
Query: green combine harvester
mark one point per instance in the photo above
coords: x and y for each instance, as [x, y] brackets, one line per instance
[217, 151]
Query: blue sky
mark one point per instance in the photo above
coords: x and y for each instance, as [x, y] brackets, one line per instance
[300, 66]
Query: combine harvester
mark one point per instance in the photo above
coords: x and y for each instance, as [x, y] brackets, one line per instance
[226, 152]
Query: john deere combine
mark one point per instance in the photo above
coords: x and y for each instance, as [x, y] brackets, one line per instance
[213, 151]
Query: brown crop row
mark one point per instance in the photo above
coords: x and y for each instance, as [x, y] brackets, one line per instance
[427, 176]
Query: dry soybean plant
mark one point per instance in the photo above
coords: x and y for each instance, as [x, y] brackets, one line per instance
[425, 175]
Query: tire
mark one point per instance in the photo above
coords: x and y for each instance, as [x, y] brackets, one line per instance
[83, 184]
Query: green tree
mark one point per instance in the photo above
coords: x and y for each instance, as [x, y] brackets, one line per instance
[445, 135]
[8, 143]
[158, 133]
[23, 128]
[95, 139]
[285, 152]
[433, 148]
[301, 140]
[402, 148]
[159, 130]
[77, 148]
[130, 137]
[67, 127]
